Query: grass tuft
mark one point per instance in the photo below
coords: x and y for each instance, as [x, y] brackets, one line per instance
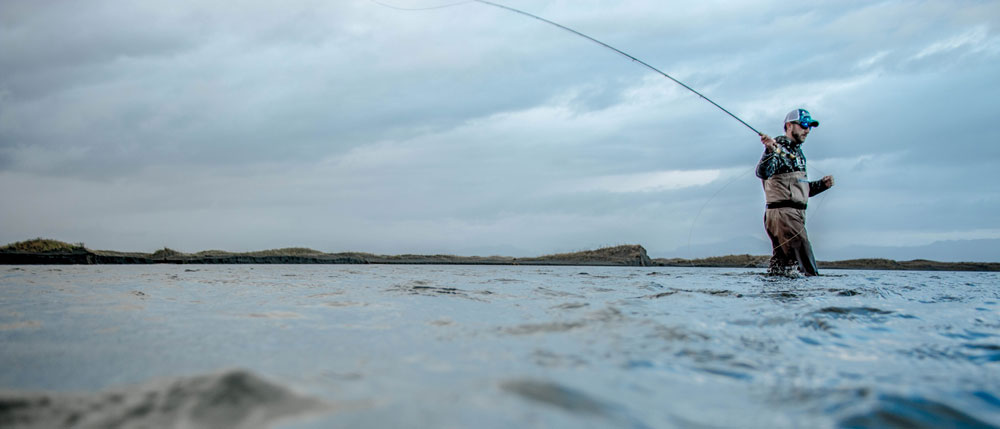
[42, 245]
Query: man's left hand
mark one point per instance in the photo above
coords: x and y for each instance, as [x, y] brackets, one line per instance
[827, 181]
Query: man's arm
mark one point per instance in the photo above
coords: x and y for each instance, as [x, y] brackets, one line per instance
[768, 163]
[817, 186]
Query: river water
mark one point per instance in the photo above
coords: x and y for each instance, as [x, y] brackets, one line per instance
[503, 346]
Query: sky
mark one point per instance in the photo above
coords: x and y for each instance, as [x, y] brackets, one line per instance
[352, 126]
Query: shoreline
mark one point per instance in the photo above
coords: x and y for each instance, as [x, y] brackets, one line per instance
[52, 252]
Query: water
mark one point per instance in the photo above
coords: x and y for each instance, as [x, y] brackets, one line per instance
[514, 346]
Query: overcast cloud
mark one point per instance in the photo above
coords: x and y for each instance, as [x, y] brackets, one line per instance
[346, 125]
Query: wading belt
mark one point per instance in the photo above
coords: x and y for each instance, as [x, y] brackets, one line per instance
[786, 204]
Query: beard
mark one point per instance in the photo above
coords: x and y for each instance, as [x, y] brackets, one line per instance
[799, 137]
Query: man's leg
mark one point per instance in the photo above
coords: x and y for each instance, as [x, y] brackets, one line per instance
[780, 259]
[804, 253]
[790, 246]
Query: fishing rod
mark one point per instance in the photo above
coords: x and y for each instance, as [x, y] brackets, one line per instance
[518, 11]
[563, 27]
[623, 53]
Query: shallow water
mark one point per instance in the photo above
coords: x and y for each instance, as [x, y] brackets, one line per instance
[513, 346]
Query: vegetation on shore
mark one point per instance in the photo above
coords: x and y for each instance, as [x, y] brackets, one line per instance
[42, 245]
[622, 252]
[47, 251]
[731, 261]
[167, 252]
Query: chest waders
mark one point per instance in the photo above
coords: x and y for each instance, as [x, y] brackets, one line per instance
[785, 222]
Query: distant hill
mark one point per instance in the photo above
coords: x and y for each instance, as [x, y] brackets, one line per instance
[45, 251]
[979, 250]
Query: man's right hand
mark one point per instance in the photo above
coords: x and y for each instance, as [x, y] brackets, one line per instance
[768, 142]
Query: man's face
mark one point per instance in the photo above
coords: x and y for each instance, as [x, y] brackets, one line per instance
[797, 133]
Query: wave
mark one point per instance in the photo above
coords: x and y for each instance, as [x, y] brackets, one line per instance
[234, 399]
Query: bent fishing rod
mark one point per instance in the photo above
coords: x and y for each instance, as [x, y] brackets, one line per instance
[620, 52]
[563, 27]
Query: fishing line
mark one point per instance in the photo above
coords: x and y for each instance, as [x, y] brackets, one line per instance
[822, 199]
[619, 51]
[709, 200]
[815, 209]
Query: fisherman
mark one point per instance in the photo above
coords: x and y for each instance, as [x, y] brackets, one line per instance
[782, 169]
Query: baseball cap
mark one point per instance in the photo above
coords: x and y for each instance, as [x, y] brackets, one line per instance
[802, 117]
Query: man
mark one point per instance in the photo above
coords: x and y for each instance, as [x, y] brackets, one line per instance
[782, 170]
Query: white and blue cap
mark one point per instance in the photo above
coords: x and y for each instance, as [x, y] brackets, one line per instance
[802, 117]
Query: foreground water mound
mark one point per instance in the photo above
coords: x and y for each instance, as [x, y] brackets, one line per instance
[233, 399]
[429, 346]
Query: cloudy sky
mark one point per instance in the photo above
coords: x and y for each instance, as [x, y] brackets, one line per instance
[347, 125]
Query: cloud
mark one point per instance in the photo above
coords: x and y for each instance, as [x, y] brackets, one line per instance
[333, 124]
[974, 39]
[650, 181]
[867, 63]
